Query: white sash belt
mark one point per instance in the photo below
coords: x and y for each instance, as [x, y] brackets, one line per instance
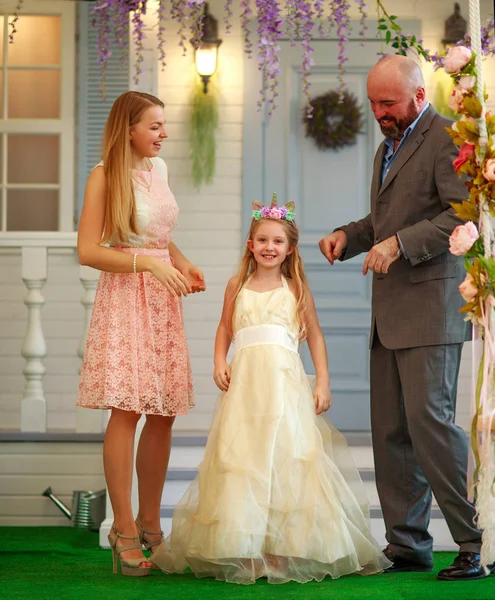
[259, 335]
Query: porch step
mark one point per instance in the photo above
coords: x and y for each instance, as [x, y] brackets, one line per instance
[178, 480]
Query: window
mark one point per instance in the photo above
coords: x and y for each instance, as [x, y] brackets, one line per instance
[37, 117]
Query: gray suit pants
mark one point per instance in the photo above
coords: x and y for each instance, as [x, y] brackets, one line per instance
[418, 448]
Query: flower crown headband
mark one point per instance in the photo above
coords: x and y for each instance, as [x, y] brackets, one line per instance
[286, 212]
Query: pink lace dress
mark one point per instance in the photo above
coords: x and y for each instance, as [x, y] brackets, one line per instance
[136, 355]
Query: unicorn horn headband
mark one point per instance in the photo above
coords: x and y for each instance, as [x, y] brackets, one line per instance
[286, 212]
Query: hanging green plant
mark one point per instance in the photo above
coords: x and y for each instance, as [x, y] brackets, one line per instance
[334, 121]
[202, 140]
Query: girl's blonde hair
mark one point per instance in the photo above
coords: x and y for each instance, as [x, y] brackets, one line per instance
[120, 208]
[292, 268]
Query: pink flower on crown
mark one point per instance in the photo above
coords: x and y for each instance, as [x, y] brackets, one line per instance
[275, 212]
[265, 211]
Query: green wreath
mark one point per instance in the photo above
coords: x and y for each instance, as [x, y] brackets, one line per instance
[322, 127]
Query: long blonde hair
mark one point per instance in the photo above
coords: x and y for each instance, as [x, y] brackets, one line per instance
[292, 269]
[120, 208]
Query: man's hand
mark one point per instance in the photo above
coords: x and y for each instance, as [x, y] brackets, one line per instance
[332, 245]
[381, 256]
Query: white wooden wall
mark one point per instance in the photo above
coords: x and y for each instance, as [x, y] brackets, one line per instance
[28, 468]
[209, 233]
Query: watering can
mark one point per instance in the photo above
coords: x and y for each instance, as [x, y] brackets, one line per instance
[88, 508]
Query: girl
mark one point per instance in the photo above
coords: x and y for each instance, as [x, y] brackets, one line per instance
[269, 500]
[136, 360]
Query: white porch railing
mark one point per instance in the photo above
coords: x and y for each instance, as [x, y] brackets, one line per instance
[34, 248]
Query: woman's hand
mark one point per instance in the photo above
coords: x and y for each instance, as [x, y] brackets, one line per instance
[221, 375]
[322, 398]
[171, 278]
[196, 279]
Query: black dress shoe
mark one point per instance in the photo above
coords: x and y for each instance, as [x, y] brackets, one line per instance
[466, 566]
[402, 565]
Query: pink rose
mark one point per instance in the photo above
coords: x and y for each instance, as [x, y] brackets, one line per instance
[457, 58]
[275, 213]
[456, 99]
[467, 82]
[468, 289]
[489, 170]
[463, 238]
[465, 153]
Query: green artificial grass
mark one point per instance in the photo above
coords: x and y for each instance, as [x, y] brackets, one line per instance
[60, 563]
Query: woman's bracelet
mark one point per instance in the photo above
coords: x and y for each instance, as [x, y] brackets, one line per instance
[134, 264]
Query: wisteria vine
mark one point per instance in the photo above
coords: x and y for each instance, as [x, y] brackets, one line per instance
[13, 21]
[269, 27]
[139, 37]
[246, 14]
[300, 21]
[161, 14]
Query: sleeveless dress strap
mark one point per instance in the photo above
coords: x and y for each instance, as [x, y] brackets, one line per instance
[161, 166]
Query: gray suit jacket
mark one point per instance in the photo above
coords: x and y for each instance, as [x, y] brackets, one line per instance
[417, 303]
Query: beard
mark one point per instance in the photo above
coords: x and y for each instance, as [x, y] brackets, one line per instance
[395, 131]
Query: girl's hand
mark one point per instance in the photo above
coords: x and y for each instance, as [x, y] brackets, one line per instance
[196, 279]
[322, 398]
[221, 375]
[171, 278]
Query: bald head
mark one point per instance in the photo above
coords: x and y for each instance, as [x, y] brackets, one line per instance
[402, 71]
[396, 91]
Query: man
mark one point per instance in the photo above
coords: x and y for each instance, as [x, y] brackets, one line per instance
[417, 332]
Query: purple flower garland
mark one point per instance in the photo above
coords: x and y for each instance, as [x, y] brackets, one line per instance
[269, 32]
[246, 13]
[13, 21]
[296, 20]
[161, 14]
[302, 15]
[342, 22]
[228, 16]
[363, 15]
[139, 37]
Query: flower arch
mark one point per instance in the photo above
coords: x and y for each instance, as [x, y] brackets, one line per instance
[474, 134]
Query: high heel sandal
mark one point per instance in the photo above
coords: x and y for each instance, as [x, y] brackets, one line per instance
[129, 566]
[150, 546]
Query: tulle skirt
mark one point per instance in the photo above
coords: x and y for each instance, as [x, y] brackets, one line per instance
[277, 494]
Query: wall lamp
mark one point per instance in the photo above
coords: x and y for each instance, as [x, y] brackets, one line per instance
[206, 55]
